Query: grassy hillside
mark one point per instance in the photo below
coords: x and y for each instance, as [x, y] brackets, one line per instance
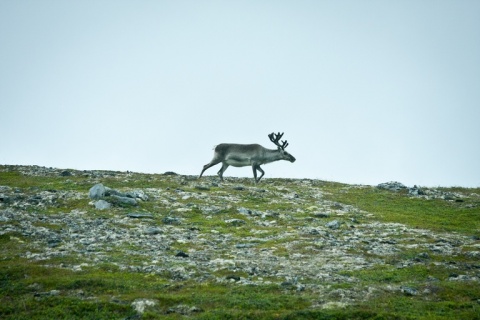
[174, 247]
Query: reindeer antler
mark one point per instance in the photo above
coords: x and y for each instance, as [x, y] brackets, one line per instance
[276, 137]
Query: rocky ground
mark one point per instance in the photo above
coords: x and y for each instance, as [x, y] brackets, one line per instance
[283, 232]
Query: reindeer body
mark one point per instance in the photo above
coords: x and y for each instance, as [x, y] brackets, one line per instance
[241, 155]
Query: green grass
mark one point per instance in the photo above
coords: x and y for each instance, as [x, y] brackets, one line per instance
[435, 214]
[87, 294]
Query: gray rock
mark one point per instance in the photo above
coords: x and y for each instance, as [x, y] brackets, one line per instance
[139, 215]
[392, 186]
[171, 220]
[321, 215]
[152, 230]
[422, 256]
[50, 293]
[184, 310]
[5, 188]
[449, 196]
[233, 277]
[113, 192]
[97, 191]
[416, 191]
[141, 304]
[202, 187]
[235, 222]
[125, 200]
[244, 245]
[408, 291]
[244, 211]
[102, 205]
[4, 198]
[335, 224]
[137, 194]
[53, 243]
[462, 277]
[249, 212]
[182, 254]
[314, 231]
[211, 210]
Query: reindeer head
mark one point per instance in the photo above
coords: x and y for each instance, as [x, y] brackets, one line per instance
[281, 147]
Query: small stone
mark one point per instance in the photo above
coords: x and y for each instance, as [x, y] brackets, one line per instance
[152, 230]
[184, 310]
[462, 277]
[5, 199]
[287, 284]
[137, 194]
[235, 222]
[53, 243]
[409, 291]
[335, 224]
[337, 206]
[141, 304]
[423, 255]
[171, 220]
[50, 293]
[244, 211]
[54, 292]
[202, 187]
[321, 215]
[139, 215]
[182, 254]
[102, 205]
[233, 277]
[244, 245]
[5, 188]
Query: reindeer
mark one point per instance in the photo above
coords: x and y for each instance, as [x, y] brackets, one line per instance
[241, 155]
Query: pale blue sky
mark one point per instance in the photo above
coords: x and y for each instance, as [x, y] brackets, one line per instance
[365, 91]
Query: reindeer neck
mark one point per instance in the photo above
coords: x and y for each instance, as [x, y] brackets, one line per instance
[272, 155]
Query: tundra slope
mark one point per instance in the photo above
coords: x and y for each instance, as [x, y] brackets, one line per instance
[287, 233]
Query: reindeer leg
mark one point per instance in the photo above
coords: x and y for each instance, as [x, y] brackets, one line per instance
[263, 172]
[209, 165]
[222, 170]
[255, 168]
